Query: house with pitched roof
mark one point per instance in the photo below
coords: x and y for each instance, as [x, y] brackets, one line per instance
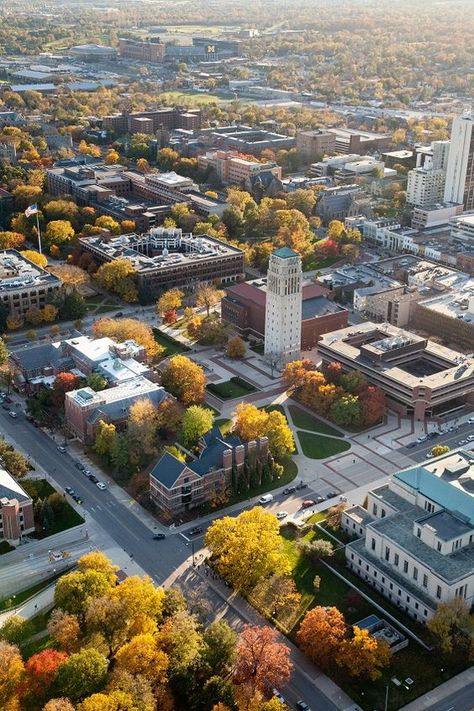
[177, 486]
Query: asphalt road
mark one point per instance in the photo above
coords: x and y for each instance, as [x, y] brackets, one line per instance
[462, 700]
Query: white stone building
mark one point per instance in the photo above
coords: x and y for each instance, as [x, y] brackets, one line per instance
[415, 539]
[283, 309]
[425, 186]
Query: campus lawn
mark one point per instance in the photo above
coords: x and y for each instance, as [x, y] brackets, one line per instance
[67, 518]
[231, 389]
[224, 424]
[172, 346]
[304, 421]
[317, 446]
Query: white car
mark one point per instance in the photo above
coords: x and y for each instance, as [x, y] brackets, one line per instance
[101, 486]
[471, 420]
[12, 414]
[470, 437]
[278, 696]
[281, 515]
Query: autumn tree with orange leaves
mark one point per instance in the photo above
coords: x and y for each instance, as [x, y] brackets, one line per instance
[262, 661]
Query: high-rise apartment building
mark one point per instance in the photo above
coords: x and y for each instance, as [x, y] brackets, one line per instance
[460, 170]
[283, 311]
[425, 186]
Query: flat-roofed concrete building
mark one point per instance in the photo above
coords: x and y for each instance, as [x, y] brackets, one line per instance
[25, 285]
[16, 510]
[168, 118]
[349, 140]
[415, 538]
[165, 258]
[236, 169]
[418, 376]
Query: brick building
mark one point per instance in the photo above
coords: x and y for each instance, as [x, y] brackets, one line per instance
[177, 486]
[150, 50]
[243, 307]
[236, 169]
[169, 118]
[25, 285]
[315, 143]
[16, 510]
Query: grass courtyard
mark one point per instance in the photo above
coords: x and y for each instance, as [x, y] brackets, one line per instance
[304, 421]
[66, 518]
[172, 346]
[316, 446]
[231, 389]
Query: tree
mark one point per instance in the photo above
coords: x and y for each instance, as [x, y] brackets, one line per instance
[346, 410]
[112, 157]
[120, 454]
[128, 226]
[170, 317]
[208, 296]
[181, 640]
[364, 655]
[105, 439]
[333, 373]
[142, 656]
[350, 252]
[451, 624]
[75, 590]
[373, 405]
[280, 437]
[139, 688]
[219, 651]
[317, 549]
[61, 704]
[333, 518]
[71, 276]
[11, 673]
[11, 240]
[41, 671]
[64, 629]
[57, 233]
[170, 415]
[49, 313]
[62, 210]
[184, 379]
[321, 634]
[16, 463]
[276, 594]
[82, 674]
[303, 200]
[142, 425]
[171, 300]
[119, 276]
[73, 307]
[247, 548]
[335, 230]
[15, 630]
[106, 222]
[125, 329]
[95, 560]
[89, 149]
[143, 165]
[3, 352]
[262, 662]
[96, 382]
[250, 422]
[197, 421]
[63, 383]
[294, 374]
[439, 449]
[33, 316]
[236, 347]
[26, 195]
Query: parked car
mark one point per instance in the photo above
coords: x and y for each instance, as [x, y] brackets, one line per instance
[470, 437]
[77, 498]
[410, 445]
[69, 490]
[93, 478]
[195, 531]
[331, 495]
[302, 706]
[289, 490]
[462, 442]
[61, 449]
[79, 466]
[308, 503]
[265, 499]
[319, 498]
[12, 414]
[119, 314]
[471, 420]
[159, 537]
[281, 515]
[301, 485]
[87, 473]
[7, 399]
[101, 486]
[278, 696]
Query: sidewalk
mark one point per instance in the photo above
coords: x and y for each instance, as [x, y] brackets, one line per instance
[444, 691]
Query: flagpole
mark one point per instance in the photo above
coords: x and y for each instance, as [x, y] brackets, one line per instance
[39, 231]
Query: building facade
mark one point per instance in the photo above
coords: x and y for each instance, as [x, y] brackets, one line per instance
[460, 168]
[315, 143]
[236, 169]
[283, 307]
[425, 186]
[24, 285]
[16, 510]
[151, 50]
[177, 486]
[414, 540]
[419, 377]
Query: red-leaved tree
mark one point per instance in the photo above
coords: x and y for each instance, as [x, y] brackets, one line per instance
[262, 662]
[40, 672]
